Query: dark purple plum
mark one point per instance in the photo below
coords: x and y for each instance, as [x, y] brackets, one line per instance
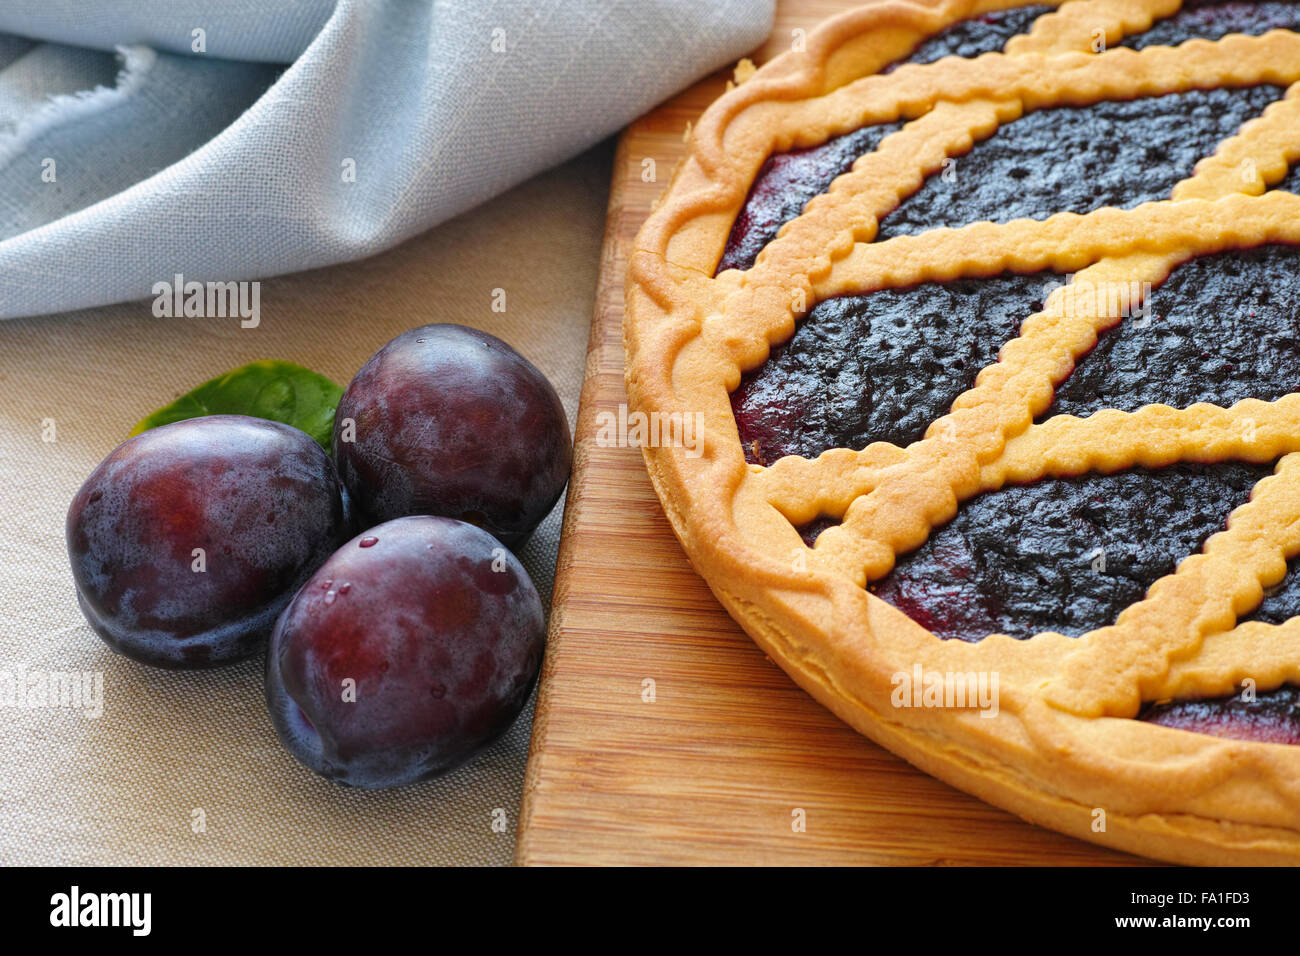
[188, 540]
[450, 421]
[411, 648]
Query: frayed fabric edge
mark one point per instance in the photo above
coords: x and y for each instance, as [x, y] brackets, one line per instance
[137, 61]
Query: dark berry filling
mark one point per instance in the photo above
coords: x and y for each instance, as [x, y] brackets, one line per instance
[787, 181]
[986, 33]
[1215, 20]
[1292, 182]
[1221, 328]
[1282, 601]
[1272, 717]
[1120, 153]
[1115, 153]
[878, 367]
[784, 185]
[812, 529]
[1064, 555]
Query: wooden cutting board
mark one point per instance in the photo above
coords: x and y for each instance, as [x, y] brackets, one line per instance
[663, 735]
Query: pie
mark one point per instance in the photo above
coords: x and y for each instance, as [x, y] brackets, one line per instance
[991, 318]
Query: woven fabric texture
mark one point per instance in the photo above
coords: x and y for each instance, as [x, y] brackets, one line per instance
[229, 141]
[124, 787]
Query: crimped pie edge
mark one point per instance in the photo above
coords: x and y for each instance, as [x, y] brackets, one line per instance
[1167, 793]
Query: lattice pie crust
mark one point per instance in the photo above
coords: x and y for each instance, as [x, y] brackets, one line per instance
[1064, 744]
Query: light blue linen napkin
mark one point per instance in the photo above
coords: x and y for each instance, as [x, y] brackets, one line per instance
[140, 139]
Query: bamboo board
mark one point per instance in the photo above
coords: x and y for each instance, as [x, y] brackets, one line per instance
[718, 766]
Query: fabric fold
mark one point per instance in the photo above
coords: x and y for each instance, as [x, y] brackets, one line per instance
[394, 117]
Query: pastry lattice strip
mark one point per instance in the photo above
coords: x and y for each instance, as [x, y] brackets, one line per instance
[1245, 164]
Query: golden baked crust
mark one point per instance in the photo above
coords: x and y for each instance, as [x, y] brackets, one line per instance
[1064, 745]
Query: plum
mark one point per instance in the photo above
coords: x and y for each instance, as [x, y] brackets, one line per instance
[411, 648]
[188, 540]
[447, 420]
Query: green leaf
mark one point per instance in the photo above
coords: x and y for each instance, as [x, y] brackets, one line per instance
[279, 391]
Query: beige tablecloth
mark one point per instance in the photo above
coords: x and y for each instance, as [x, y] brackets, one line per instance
[184, 767]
